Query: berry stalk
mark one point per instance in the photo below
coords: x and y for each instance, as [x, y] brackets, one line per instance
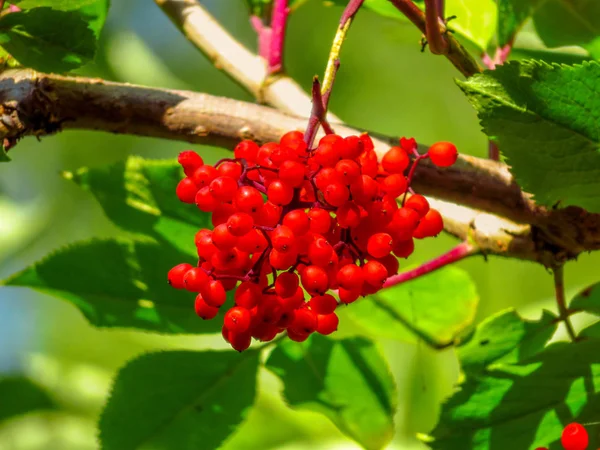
[561, 302]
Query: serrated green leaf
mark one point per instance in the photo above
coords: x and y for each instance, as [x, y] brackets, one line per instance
[138, 195]
[475, 19]
[347, 380]
[573, 22]
[587, 300]
[511, 16]
[20, 396]
[436, 308]
[506, 338]
[182, 400]
[118, 283]
[524, 405]
[545, 120]
[47, 39]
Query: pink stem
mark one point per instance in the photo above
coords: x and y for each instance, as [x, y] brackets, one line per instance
[278, 25]
[502, 53]
[488, 62]
[461, 251]
[264, 37]
[351, 9]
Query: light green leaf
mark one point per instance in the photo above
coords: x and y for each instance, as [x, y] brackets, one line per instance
[436, 308]
[348, 381]
[545, 120]
[524, 405]
[511, 16]
[118, 283]
[20, 396]
[506, 338]
[138, 195]
[47, 39]
[182, 400]
[587, 300]
[568, 22]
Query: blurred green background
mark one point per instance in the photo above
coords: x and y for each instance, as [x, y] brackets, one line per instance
[385, 84]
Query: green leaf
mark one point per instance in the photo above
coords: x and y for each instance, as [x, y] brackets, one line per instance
[138, 195]
[118, 283]
[475, 19]
[3, 156]
[524, 405]
[505, 337]
[587, 300]
[348, 381]
[261, 7]
[182, 400]
[511, 16]
[47, 39]
[20, 396]
[573, 22]
[436, 308]
[545, 120]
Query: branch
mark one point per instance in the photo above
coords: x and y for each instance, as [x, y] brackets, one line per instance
[457, 54]
[33, 103]
[561, 302]
[437, 42]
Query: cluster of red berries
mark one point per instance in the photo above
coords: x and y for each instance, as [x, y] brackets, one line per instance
[292, 224]
[574, 437]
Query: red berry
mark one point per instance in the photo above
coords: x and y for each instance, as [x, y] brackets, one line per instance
[268, 215]
[336, 194]
[327, 323]
[205, 201]
[237, 319]
[203, 309]
[297, 220]
[240, 223]
[574, 437]
[203, 175]
[350, 277]
[282, 260]
[320, 220]
[352, 148]
[230, 169]
[348, 215]
[280, 193]
[294, 140]
[417, 203]
[320, 252]
[443, 154]
[214, 293]
[379, 245]
[247, 150]
[176, 274]
[323, 304]
[297, 337]
[395, 160]
[286, 284]
[190, 161]
[403, 249]
[375, 273]
[394, 184]
[292, 173]
[248, 199]
[348, 296]
[195, 279]
[348, 171]
[252, 242]
[223, 188]
[315, 280]
[247, 295]
[222, 238]
[304, 322]
[283, 238]
[431, 225]
[240, 341]
[186, 190]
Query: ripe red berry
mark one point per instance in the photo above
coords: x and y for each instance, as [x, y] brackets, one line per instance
[203, 309]
[348, 171]
[297, 220]
[240, 223]
[403, 249]
[213, 293]
[247, 150]
[222, 237]
[443, 154]
[240, 341]
[223, 188]
[375, 273]
[205, 201]
[283, 239]
[395, 160]
[176, 274]
[315, 280]
[190, 161]
[292, 173]
[327, 323]
[323, 304]
[304, 322]
[237, 319]
[336, 194]
[348, 215]
[320, 220]
[280, 193]
[574, 437]
[203, 175]
[380, 245]
[294, 140]
[320, 252]
[350, 277]
[286, 284]
[195, 279]
[248, 199]
[186, 190]
[230, 169]
[418, 203]
[431, 225]
[394, 184]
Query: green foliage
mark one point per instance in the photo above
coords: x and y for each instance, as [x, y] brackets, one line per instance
[526, 403]
[505, 338]
[574, 22]
[183, 400]
[511, 16]
[544, 118]
[138, 195]
[436, 308]
[118, 283]
[587, 300]
[3, 156]
[347, 380]
[20, 396]
[261, 7]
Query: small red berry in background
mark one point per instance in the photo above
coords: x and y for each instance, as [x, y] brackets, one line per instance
[574, 437]
[443, 154]
[298, 231]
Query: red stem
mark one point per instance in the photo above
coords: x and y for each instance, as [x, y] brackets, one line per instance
[493, 151]
[461, 251]
[441, 7]
[437, 42]
[351, 9]
[278, 26]
[264, 37]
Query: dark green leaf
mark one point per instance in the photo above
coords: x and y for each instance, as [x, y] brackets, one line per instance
[47, 39]
[436, 308]
[475, 19]
[568, 22]
[182, 400]
[118, 283]
[587, 300]
[545, 120]
[3, 156]
[21, 396]
[511, 16]
[505, 337]
[524, 405]
[348, 381]
[138, 195]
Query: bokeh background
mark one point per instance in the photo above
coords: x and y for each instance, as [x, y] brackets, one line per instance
[385, 85]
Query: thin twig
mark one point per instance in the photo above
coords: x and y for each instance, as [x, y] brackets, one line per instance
[278, 26]
[561, 303]
[461, 251]
[436, 40]
[457, 54]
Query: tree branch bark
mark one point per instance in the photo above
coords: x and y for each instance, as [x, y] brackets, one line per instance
[33, 103]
